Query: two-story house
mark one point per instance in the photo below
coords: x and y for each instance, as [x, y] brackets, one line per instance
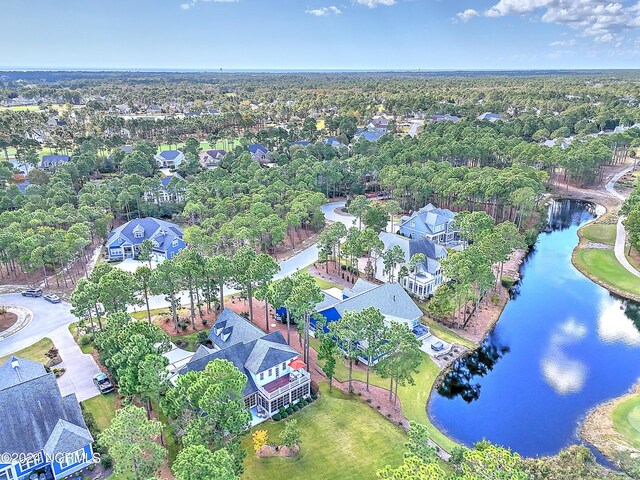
[211, 158]
[169, 158]
[124, 241]
[43, 433]
[422, 280]
[51, 162]
[276, 377]
[260, 153]
[170, 189]
[436, 224]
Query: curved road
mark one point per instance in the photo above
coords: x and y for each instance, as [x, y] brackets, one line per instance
[288, 267]
[52, 321]
[621, 234]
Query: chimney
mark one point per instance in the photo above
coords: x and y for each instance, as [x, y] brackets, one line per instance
[14, 363]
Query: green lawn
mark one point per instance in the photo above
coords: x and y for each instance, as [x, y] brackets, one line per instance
[325, 284]
[35, 352]
[103, 409]
[603, 266]
[447, 334]
[412, 397]
[599, 233]
[341, 438]
[626, 420]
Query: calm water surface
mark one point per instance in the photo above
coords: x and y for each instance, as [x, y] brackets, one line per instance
[562, 346]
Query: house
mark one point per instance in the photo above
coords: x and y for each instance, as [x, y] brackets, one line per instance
[169, 158]
[124, 241]
[445, 118]
[260, 153]
[127, 149]
[378, 123]
[492, 117]
[123, 109]
[211, 158]
[170, 189]
[23, 186]
[436, 224]
[334, 142]
[43, 433]
[389, 298]
[423, 281]
[51, 162]
[276, 377]
[154, 109]
[369, 135]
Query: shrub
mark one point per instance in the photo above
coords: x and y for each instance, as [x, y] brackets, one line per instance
[285, 415]
[84, 340]
[281, 410]
[277, 417]
[296, 408]
[3, 310]
[290, 411]
[508, 282]
[202, 337]
[343, 267]
[260, 438]
[495, 299]
[106, 461]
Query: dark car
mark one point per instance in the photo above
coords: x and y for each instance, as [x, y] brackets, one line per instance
[52, 298]
[103, 383]
[437, 346]
[32, 292]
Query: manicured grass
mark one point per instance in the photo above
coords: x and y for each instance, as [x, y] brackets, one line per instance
[324, 284]
[412, 397]
[35, 352]
[603, 266]
[142, 314]
[341, 437]
[22, 108]
[221, 144]
[320, 124]
[447, 334]
[103, 409]
[599, 233]
[626, 420]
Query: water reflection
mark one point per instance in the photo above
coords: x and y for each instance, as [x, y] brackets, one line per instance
[459, 380]
[562, 346]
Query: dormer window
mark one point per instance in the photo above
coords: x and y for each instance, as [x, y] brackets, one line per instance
[262, 376]
[270, 370]
[175, 243]
[413, 223]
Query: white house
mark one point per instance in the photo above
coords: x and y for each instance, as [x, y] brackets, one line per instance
[169, 158]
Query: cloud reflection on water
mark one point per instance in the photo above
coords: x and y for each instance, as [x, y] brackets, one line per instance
[562, 373]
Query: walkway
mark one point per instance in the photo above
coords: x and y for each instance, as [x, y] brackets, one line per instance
[621, 234]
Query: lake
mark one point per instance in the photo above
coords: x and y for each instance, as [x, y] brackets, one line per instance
[562, 345]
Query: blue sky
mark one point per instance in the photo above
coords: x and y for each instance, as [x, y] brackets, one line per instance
[320, 34]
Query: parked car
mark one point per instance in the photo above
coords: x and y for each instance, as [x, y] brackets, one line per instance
[437, 346]
[53, 298]
[32, 292]
[103, 383]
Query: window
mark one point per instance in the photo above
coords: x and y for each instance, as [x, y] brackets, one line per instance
[30, 461]
[277, 371]
[262, 376]
[413, 223]
[269, 374]
[284, 366]
[175, 242]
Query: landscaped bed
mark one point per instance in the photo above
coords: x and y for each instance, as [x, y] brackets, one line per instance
[7, 319]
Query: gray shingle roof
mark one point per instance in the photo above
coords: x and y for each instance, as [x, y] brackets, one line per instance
[32, 410]
[241, 330]
[390, 298]
[26, 370]
[267, 354]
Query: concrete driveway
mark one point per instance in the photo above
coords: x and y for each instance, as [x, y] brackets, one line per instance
[52, 320]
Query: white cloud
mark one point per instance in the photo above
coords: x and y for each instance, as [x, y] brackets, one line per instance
[603, 20]
[563, 43]
[467, 15]
[375, 3]
[324, 11]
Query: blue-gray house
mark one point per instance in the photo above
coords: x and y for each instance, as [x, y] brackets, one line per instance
[51, 162]
[43, 433]
[436, 224]
[124, 241]
[260, 153]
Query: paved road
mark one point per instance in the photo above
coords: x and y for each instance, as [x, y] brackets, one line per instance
[287, 267]
[52, 321]
[621, 233]
[47, 317]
